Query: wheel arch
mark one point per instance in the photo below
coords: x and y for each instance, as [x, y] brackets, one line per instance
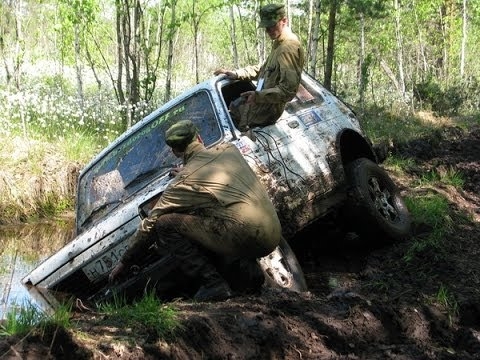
[353, 145]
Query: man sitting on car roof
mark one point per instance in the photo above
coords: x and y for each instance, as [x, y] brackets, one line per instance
[215, 202]
[277, 78]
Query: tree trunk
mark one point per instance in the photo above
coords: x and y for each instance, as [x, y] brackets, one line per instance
[464, 38]
[421, 44]
[136, 61]
[91, 63]
[78, 66]
[362, 71]
[233, 38]
[309, 30]
[196, 24]
[330, 45]
[261, 48]
[246, 41]
[130, 18]
[399, 50]
[315, 38]
[171, 36]
[19, 45]
[120, 55]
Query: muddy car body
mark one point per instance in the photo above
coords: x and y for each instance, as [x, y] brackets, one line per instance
[313, 162]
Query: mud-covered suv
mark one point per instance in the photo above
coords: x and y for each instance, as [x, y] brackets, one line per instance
[315, 161]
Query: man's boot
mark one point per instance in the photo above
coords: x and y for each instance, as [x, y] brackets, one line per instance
[196, 265]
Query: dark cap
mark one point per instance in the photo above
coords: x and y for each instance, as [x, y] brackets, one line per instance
[270, 14]
[180, 134]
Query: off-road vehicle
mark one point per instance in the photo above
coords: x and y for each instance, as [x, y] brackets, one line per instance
[314, 162]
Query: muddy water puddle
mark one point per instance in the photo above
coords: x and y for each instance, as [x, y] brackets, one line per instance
[22, 248]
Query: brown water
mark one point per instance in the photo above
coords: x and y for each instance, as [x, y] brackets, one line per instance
[22, 248]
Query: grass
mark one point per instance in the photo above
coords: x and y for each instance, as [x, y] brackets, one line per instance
[21, 320]
[446, 299]
[447, 176]
[399, 164]
[149, 311]
[433, 211]
[427, 208]
[381, 125]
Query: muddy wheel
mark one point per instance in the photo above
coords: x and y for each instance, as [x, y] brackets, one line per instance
[375, 207]
[282, 269]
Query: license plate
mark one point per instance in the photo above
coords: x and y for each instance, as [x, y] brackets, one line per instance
[96, 269]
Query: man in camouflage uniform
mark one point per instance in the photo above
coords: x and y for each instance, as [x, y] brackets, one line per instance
[277, 79]
[215, 202]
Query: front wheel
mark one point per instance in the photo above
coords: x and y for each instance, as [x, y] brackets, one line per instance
[282, 269]
[375, 207]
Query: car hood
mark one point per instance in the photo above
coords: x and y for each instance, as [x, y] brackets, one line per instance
[111, 230]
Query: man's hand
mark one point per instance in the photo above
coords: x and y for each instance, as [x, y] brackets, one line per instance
[115, 272]
[250, 95]
[175, 170]
[230, 74]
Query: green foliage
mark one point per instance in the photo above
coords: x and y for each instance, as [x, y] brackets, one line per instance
[380, 124]
[460, 96]
[447, 300]
[51, 205]
[432, 211]
[148, 312]
[447, 176]
[399, 164]
[22, 319]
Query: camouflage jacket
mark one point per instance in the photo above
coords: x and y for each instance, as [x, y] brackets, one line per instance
[216, 183]
[280, 75]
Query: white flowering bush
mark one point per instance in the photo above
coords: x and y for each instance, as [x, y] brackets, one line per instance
[49, 134]
[52, 113]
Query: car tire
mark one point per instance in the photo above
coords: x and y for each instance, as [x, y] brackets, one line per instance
[375, 207]
[282, 269]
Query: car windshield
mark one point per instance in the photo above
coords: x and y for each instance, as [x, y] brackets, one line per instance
[142, 156]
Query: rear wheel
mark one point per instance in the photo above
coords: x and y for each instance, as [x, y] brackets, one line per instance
[375, 207]
[282, 269]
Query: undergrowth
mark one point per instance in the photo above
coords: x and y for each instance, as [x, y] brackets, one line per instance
[21, 320]
[148, 312]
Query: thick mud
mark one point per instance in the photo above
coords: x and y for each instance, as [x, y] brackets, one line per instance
[363, 303]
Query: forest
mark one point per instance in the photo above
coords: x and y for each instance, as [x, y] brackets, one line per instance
[104, 64]
[74, 74]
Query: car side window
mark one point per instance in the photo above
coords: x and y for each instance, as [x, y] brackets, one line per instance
[305, 98]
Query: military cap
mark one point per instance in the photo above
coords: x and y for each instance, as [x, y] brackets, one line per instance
[180, 134]
[270, 14]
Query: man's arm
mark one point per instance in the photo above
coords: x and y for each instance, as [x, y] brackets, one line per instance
[290, 64]
[139, 244]
[247, 73]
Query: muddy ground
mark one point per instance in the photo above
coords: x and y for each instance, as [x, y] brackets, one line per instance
[363, 303]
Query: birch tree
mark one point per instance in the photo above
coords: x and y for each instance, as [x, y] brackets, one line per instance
[76, 18]
[172, 30]
[11, 40]
[330, 44]
[314, 35]
[464, 38]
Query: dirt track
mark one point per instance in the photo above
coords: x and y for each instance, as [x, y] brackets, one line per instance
[363, 303]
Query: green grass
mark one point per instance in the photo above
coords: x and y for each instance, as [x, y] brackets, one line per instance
[447, 176]
[447, 300]
[22, 319]
[399, 164]
[433, 211]
[149, 311]
[381, 125]
[81, 146]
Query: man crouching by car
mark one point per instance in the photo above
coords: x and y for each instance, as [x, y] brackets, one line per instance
[215, 202]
